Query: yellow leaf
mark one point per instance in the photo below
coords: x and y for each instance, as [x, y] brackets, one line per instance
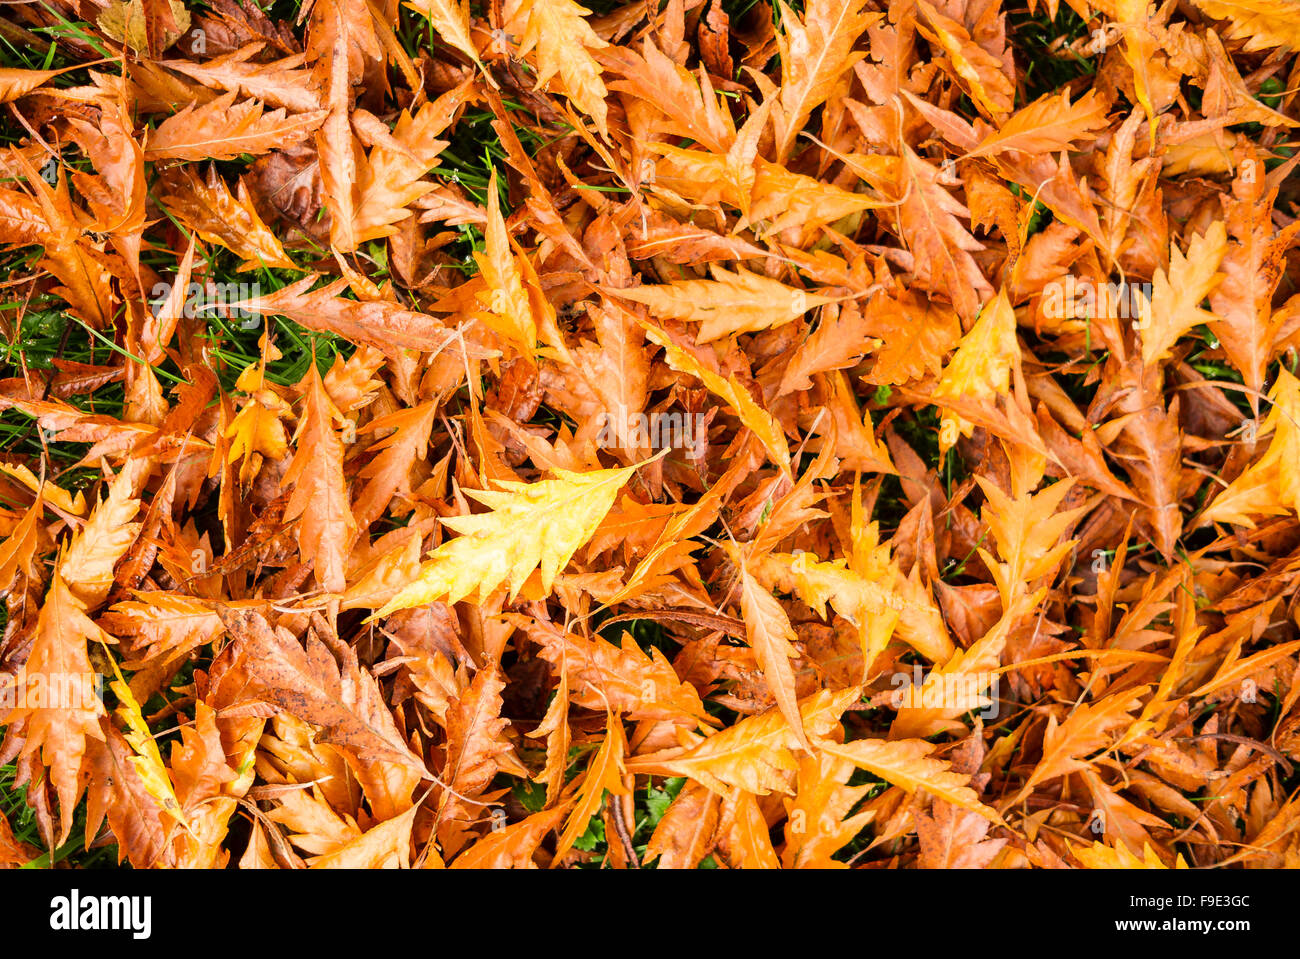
[1119, 856]
[1139, 53]
[256, 432]
[771, 636]
[385, 846]
[758, 420]
[1028, 531]
[981, 367]
[1262, 23]
[1048, 125]
[818, 823]
[1233, 674]
[957, 686]
[907, 764]
[124, 21]
[107, 535]
[564, 41]
[763, 191]
[863, 597]
[1089, 728]
[686, 833]
[1176, 294]
[727, 305]
[18, 550]
[555, 728]
[509, 313]
[983, 74]
[1271, 485]
[147, 760]
[530, 525]
[756, 754]
[512, 847]
[743, 834]
[57, 496]
[451, 19]
[816, 51]
[604, 774]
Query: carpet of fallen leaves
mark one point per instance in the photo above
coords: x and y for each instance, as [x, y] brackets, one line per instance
[689, 433]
